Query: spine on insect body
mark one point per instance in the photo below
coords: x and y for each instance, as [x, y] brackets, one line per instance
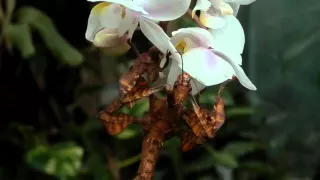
[189, 140]
[182, 88]
[150, 150]
[115, 123]
[219, 116]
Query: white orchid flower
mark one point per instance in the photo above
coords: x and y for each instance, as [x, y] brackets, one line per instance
[120, 18]
[230, 38]
[206, 65]
[212, 12]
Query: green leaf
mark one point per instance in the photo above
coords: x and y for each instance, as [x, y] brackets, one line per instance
[208, 97]
[205, 162]
[240, 148]
[140, 107]
[129, 161]
[239, 111]
[129, 132]
[60, 160]
[20, 36]
[222, 158]
[186, 21]
[256, 166]
[60, 48]
[173, 142]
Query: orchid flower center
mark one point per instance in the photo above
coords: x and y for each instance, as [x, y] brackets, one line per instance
[181, 46]
[225, 9]
[97, 9]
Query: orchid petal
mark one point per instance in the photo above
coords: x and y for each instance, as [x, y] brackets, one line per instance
[199, 36]
[203, 5]
[156, 35]
[164, 10]
[117, 50]
[129, 4]
[203, 65]
[175, 71]
[106, 38]
[242, 77]
[213, 22]
[94, 23]
[231, 37]
[110, 16]
[216, 3]
[128, 24]
[225, 9]
[235, 8]
[241, 2]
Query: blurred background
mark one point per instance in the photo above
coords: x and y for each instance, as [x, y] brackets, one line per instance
[53, 82]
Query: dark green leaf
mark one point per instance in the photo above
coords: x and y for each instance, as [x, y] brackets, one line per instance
[208, 97]
[240, 148]
[256, 166]
[20, 37]
[239, 111]
[129, 132]
[50, 36]
[222, 158]
[129, 161]
[173, 142]
[204, 163]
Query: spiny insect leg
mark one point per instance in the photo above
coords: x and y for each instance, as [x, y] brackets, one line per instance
[193, 122]
[141, 84]
[189, 140]
[129, 79]
[182, 88]
[218, 114]
[140, 94]
[114, 123]
[204, 118]
[156, 111]
[150, 150]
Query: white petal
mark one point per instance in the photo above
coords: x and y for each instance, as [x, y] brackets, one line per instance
[93, 27]
[127, 3]
[235, 8]
[110, 16]
[106, 38]
[94, 23]
[174, 72]
[225, 9]
[242, 77]
[216, 3]
[241, 2]
[210, 21]
[203, 65]
[230, 37]
[156, 35]
[128, 24]
[199, 36]
[203, 5]
[164, 10]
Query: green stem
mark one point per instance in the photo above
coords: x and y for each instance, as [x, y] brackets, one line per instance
[129, 161]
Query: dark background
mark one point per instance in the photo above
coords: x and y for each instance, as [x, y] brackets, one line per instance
[53, 82]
